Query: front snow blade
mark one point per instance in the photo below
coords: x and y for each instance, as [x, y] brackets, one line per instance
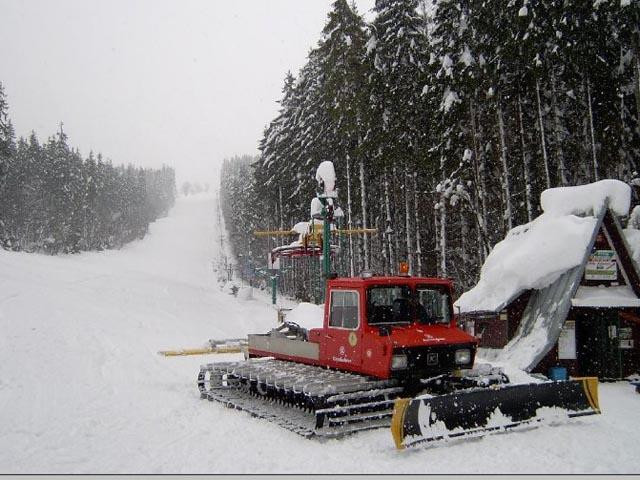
[476, 412]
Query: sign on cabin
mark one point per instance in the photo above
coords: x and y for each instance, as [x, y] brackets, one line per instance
[602, 266]
[626, 338]
[567, 341]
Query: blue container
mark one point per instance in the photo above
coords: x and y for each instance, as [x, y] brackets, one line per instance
[558, 373]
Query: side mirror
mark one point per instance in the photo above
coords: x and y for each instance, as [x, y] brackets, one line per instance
[384, 330]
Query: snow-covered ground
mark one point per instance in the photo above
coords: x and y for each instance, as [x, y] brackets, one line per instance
[82, 389]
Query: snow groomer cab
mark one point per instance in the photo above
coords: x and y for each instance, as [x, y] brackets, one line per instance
[392, 327]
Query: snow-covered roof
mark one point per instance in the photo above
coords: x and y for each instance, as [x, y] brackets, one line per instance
[542, 321]
[534, 255]
[618, 296]
[587, 199]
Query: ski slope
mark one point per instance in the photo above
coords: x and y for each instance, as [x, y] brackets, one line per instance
[82, 389]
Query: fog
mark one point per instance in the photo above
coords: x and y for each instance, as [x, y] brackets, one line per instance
[183, 83]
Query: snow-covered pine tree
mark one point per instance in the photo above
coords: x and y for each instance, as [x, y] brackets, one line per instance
[454, 83]
[398, 48]
[508, 112]
[55, 201]
[7, 149]
[341, 51]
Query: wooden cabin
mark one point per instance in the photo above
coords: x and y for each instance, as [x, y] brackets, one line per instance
[591, 313]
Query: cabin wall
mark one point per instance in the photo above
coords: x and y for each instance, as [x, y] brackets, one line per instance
[594, 341]
[490, 330]
[606, 344]
[496, 329]
[631, 356]
[552, 360]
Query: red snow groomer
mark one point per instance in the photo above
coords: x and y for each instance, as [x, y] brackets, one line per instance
[384, 340]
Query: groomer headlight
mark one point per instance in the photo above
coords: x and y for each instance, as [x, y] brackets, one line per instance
[399, 362]
[463, 356]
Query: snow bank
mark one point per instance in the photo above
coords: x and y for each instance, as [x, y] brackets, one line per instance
[532, 256]
[587, 199]
[520, 351]
[493, 356]
[94, 322]
[634, 218]
[245, 293]
[307, 315]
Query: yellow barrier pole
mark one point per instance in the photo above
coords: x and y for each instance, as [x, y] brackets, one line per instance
[201, 351]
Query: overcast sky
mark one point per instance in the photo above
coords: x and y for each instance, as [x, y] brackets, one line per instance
[181, 82]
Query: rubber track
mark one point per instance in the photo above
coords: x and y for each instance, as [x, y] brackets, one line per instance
[308, 400]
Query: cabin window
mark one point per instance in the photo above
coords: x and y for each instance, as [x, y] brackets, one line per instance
[344, 309]
[433, 306]
[428, 304]
[389, 305]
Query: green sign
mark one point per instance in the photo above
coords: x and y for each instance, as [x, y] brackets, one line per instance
[602, 266]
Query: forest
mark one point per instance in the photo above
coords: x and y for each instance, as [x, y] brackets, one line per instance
[445, 121]
[54, 201]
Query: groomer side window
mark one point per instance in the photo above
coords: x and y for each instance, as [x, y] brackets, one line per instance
[344, 309]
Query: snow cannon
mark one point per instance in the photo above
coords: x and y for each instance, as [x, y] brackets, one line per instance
[430, 419]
